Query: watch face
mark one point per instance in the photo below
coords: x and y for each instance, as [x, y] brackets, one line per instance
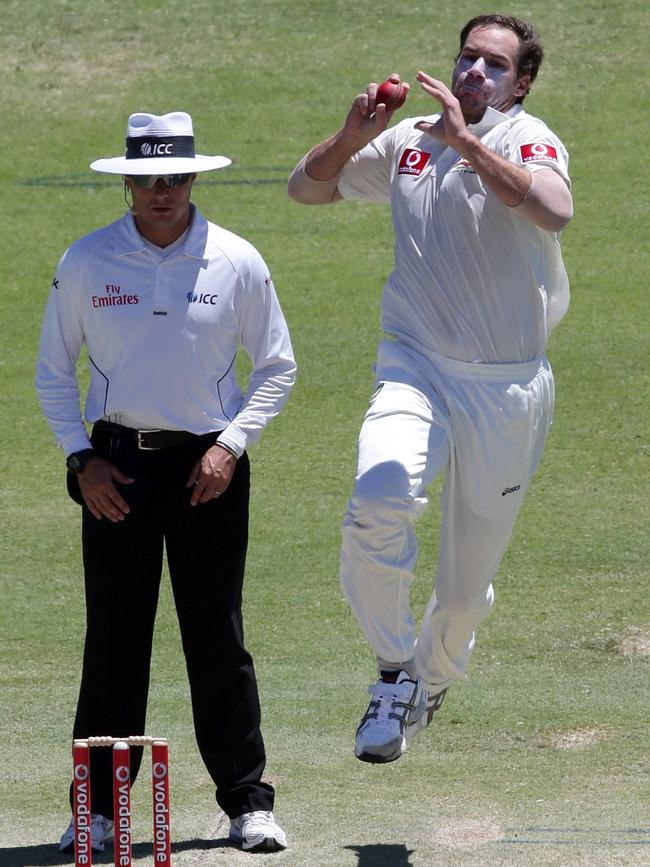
[77, 460]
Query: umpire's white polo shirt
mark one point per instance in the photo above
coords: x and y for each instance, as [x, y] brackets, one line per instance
[162, 330]
[473, 279]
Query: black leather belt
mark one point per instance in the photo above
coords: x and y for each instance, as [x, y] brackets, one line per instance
[152, 439]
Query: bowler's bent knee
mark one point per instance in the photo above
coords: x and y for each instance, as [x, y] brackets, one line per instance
[382, 495]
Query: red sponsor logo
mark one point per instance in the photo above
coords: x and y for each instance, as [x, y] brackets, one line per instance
[113, 297]
[530, 153]
[113, 300]
[412, 162]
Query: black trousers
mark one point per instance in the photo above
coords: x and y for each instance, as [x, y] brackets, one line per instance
[206, 552]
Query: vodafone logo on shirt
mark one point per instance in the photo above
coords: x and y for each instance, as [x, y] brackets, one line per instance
[412, 162]
[530, 153]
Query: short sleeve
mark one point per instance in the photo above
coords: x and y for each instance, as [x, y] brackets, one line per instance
[367, 174]
[532, 145]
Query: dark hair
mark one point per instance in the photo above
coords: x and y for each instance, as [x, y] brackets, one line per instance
[531, 52]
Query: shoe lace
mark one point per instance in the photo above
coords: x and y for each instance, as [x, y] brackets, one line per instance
[100, 822]
[389, 701]
[261, 817]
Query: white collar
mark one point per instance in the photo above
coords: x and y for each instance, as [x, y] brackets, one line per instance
[129, 240]
[492, 117]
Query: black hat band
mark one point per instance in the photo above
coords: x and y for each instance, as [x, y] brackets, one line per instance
[148, 147]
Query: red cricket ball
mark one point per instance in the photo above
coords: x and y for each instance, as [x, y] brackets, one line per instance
[392, 94]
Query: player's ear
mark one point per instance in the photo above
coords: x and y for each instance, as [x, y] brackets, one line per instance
[128, 188]
[522, 86]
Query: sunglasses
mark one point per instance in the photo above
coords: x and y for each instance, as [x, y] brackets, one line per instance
[147, 182]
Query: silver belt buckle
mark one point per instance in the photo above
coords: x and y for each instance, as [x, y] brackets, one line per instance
[141, 445]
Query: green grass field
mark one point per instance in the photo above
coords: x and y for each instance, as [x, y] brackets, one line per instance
[543, 756]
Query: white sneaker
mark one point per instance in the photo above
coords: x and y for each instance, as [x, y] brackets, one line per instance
[258, 832]
[101, 830]
[381, 736]
[432, 704]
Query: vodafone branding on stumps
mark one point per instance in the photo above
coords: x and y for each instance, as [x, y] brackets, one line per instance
[123, 835]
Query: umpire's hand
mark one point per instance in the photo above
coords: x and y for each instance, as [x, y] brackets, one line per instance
[99, 493]
[211, 475]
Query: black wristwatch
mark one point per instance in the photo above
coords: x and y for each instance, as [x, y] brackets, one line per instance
[76, 462]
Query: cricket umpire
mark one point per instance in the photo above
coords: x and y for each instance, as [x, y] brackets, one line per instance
[161, 299]
[479, 192]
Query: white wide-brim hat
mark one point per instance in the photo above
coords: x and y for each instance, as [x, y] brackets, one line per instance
[159, 145]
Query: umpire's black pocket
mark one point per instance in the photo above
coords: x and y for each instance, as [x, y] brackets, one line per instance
[72, 483]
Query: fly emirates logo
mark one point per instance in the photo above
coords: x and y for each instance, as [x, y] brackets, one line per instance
[113, 297]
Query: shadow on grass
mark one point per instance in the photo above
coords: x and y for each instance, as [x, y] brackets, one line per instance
[48, 853]
[383, 855]
[251, 178]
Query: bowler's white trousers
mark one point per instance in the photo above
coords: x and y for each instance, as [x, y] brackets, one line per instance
[485, 426]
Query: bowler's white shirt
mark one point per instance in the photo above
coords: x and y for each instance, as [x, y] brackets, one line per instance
[162, 329]
[473, 279]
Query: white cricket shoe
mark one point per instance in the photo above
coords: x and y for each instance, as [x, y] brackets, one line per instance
[381, 736]
[258, 832]
[101, 830]
[432, 704]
